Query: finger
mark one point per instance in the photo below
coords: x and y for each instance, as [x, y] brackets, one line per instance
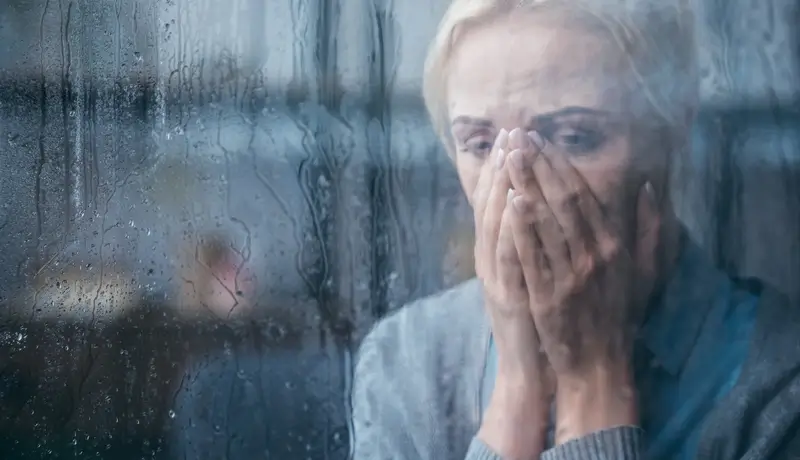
[482, 189]
[552, 238]
[480, 196]
[580, 193]
[535, 266]
[544, 220]
[521, 158]
[509, 268]
[495, 205]
[563, 198]
[484, 184]
[479, 207]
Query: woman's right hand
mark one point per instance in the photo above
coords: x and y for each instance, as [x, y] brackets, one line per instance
[515, 422]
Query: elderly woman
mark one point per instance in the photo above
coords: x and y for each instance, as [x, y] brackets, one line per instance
[595, 328]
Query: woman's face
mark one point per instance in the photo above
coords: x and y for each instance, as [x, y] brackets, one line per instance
[568, 83]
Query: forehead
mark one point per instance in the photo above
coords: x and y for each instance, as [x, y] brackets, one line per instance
[534, 64]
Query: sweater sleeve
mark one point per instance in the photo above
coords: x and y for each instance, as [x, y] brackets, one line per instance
[401, 412]
[480, 451]
[620, 443]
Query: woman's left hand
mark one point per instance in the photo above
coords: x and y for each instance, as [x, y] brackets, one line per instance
[582, 288]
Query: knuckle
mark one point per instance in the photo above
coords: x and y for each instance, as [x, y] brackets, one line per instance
[609, 248]
[569, 203]
[507, 256]
[585, 265]
[570, 281]
[542, 212]
[513, 299]
[525, 209]
[546, 313]
[506, 300]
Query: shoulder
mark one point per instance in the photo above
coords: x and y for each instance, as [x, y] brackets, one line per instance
[761, 414]
[775, 344]
[773, 364]
[417, 376]
[427, 348]
[434, 325]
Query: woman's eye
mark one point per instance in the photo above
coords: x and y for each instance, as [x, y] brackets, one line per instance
[576, 141]
[480, 147]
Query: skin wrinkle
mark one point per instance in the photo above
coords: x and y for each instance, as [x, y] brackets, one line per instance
[475, 93]
[661, 76]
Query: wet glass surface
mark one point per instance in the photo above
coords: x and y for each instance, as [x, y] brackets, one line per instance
[204, 206]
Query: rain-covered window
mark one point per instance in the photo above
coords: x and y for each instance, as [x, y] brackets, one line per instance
[206, 205]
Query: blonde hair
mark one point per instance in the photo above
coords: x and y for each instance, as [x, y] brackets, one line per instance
[656, 35]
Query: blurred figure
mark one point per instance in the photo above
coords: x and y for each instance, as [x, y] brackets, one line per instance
[213, 279]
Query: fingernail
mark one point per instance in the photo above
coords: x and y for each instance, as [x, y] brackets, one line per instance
[502, 139]
[510, 195]
[500, 159]
[651, 193]
[537, 139]
[518, 139]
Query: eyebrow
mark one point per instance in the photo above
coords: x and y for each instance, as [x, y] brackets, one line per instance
[542, 118]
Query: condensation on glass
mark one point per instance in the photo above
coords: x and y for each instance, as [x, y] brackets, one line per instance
[205, 205]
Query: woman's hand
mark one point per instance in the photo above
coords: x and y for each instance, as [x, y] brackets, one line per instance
[515, 422]
[581, 281]
[498, 267]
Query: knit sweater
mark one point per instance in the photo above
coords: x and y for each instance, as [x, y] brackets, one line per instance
[418, 377]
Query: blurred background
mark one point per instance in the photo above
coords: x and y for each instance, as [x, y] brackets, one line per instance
[205, 205]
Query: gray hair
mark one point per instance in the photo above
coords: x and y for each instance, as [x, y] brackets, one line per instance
[656, 35]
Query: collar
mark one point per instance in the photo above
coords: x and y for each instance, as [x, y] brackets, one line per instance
[677, 315]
